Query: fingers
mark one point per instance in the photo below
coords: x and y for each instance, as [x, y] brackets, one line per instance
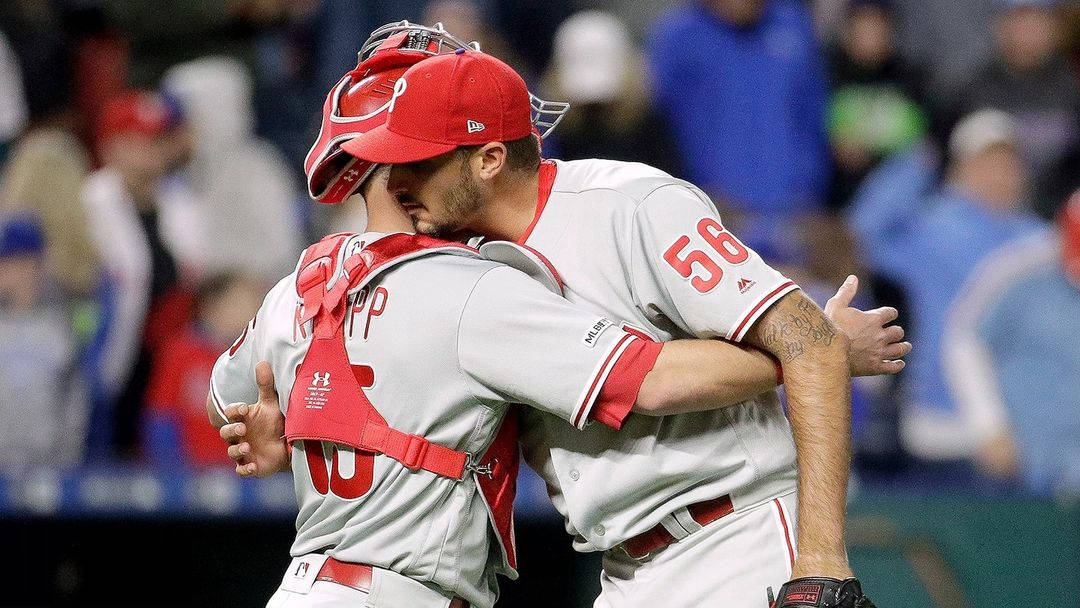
[894, 333]
[887, 314]
[264, 378]
[893, 366]
[232, 433]
[235, 412]
[239, 452]
[897, 350]
[246, 470]
[843, 296]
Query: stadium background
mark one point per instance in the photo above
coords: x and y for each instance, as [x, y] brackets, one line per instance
[928, 146]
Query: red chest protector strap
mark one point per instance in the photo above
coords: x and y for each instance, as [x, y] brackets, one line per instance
[327, 402]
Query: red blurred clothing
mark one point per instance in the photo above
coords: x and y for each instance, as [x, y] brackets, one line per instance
[177, 394]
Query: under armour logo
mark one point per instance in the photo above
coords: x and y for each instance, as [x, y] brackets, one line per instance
[399, 90]
[474, 126]
[324, 378]
[350, 175]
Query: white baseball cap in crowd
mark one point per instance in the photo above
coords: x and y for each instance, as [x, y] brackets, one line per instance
[980, 130]
[592, 54]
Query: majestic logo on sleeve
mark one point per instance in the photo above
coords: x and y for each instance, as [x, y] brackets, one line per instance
[591, 336]
[745, 284]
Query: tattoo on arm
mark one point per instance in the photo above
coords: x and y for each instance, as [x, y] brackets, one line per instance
[790, 330]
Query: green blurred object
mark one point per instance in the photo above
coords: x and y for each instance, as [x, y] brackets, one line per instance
[966, 553]
[880, 119]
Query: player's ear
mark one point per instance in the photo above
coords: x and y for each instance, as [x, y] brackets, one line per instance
[492, 160]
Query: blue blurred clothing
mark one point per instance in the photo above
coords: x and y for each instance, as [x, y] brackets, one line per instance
[928, 239]
[747, 104]
[1030, 336]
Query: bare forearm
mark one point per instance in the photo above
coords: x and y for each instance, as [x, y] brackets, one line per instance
[818, 386]
[697, 375]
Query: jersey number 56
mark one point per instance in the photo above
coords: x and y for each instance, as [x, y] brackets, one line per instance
[721, 242]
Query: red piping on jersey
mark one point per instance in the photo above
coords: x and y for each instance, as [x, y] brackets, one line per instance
[787, 534]
[548, 169]
[753, 311]
[596, 381]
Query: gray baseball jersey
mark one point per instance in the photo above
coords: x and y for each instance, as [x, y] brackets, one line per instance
[441, 345]
[633, 243]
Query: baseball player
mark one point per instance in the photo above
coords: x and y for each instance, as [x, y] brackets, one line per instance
[751, 453]
[393, 349]
[707, 499]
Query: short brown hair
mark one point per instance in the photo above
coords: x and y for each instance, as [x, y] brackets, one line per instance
[522, 154]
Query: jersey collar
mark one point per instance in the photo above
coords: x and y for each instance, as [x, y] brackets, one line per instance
[548, 169]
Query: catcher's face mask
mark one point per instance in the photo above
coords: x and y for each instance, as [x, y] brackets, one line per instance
[358, 103]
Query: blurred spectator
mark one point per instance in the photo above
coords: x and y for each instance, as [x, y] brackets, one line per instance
[244, 190]
[528, 26]
[743, 85]
[595, 68]
[140, 242]
[468, 21]
[45, 173]
[1013, 362]
[13, 113]
[1030, 78]
[43, 46]
[875, 105]
[950, 39]
[175, 430]
[927, 237]
[42, 404]
[166, 32]
[341, 26]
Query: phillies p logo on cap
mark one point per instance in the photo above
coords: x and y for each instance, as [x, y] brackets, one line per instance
[399, 90]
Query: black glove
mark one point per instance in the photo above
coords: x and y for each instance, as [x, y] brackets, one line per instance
[822, 592]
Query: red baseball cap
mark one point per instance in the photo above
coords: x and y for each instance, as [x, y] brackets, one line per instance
[465, 98]
[140, 112]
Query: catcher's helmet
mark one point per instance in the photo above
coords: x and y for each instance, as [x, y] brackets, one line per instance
[358, 103]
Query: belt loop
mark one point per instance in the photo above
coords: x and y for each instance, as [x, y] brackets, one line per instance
[673, 526]
[686, 520]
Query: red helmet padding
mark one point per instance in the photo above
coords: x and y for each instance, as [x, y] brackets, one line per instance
[355, 105]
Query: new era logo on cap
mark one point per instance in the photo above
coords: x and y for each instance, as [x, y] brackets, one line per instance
[474, 126]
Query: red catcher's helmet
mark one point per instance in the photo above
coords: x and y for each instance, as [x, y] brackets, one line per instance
[358, 103]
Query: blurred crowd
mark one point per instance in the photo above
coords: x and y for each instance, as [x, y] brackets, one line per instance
[151, 190]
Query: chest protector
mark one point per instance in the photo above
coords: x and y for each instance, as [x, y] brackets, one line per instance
[327, 402]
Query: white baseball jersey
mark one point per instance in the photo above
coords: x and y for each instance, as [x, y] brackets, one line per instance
[633, 243]
[441, 345]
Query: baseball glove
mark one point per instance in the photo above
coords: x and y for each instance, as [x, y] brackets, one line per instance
[822, 592]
